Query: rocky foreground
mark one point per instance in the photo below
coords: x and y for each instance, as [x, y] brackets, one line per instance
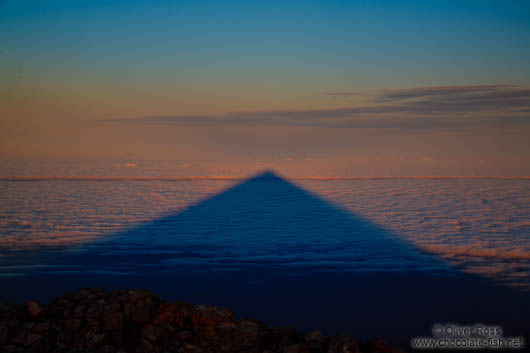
[95, 320]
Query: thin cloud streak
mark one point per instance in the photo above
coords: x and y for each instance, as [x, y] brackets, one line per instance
[430, 91]
[493, 106]
[343, 94]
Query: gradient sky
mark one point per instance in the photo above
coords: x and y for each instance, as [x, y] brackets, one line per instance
[389, 87]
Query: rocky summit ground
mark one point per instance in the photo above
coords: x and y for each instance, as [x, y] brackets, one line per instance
[96, 320]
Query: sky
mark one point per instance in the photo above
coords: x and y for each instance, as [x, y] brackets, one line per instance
[325, 87]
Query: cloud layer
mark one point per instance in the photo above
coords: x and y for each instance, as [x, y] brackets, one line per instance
[490, 106]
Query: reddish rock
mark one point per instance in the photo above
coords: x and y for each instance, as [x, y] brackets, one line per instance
[72, 324]
[93, 320]
[107, 349]
[315, 337]
[136, 295]
[184, 336]
[343, 344]
[113, 321]
[150, 332]
[41, 327]
[33, 339]
[62, 304]
[28, 325]
[7, 311]
[378, 346]
[296, 348]
[79, 311]
[237, 336]
[9, 349]
[15, 324]
[4, 333]
[93, 314]
[34, 308]
[19, 337]
[165, 313]
[285, 335]
[191, 348]
[205, 318]
[114, 306]
[178, 313]
[139, 312]
[95, 338]
[79, 295]
[94, 311]
[88, 300]
[146, 345]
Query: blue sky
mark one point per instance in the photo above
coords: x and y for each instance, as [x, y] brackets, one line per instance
[385, 43]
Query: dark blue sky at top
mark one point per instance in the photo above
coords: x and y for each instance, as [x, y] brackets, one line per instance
[394, 43]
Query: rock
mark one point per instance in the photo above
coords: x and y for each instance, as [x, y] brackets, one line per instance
[32, 339]
[9, 349]
[343, 344]
[108, 349]
[285, 331]
[178, 313]
[146, 345]
[102, 302]
[205, 318]
[15, 324]
[19, 337]
[94, 311]
[94, 320]
[72, 324]
[95, 338]
[136, 295]
[240, 336]
[149, 332]
[112, 321]
[24, 350]
[378, 346]
[315, 340]
[34, 308]
[41, 327]
[79, 295]
[4, 333]
[139, 312]
[117, 337]
[296, 348]
[184, 336]
[89, 299]
[114, 306]
[93, 314]
[7, 311]
[191, 348]
[79, 311]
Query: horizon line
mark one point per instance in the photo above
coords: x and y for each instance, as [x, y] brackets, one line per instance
[238, 177]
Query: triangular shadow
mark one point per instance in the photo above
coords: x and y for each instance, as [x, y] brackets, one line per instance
[267, 221]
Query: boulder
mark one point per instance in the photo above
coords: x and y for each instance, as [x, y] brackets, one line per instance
[72, 324]
[112, 321]
[140, 312]
[34, 308]
[343, 344]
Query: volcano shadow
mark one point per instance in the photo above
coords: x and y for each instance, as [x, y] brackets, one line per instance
[266, 222]
[271, 250]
